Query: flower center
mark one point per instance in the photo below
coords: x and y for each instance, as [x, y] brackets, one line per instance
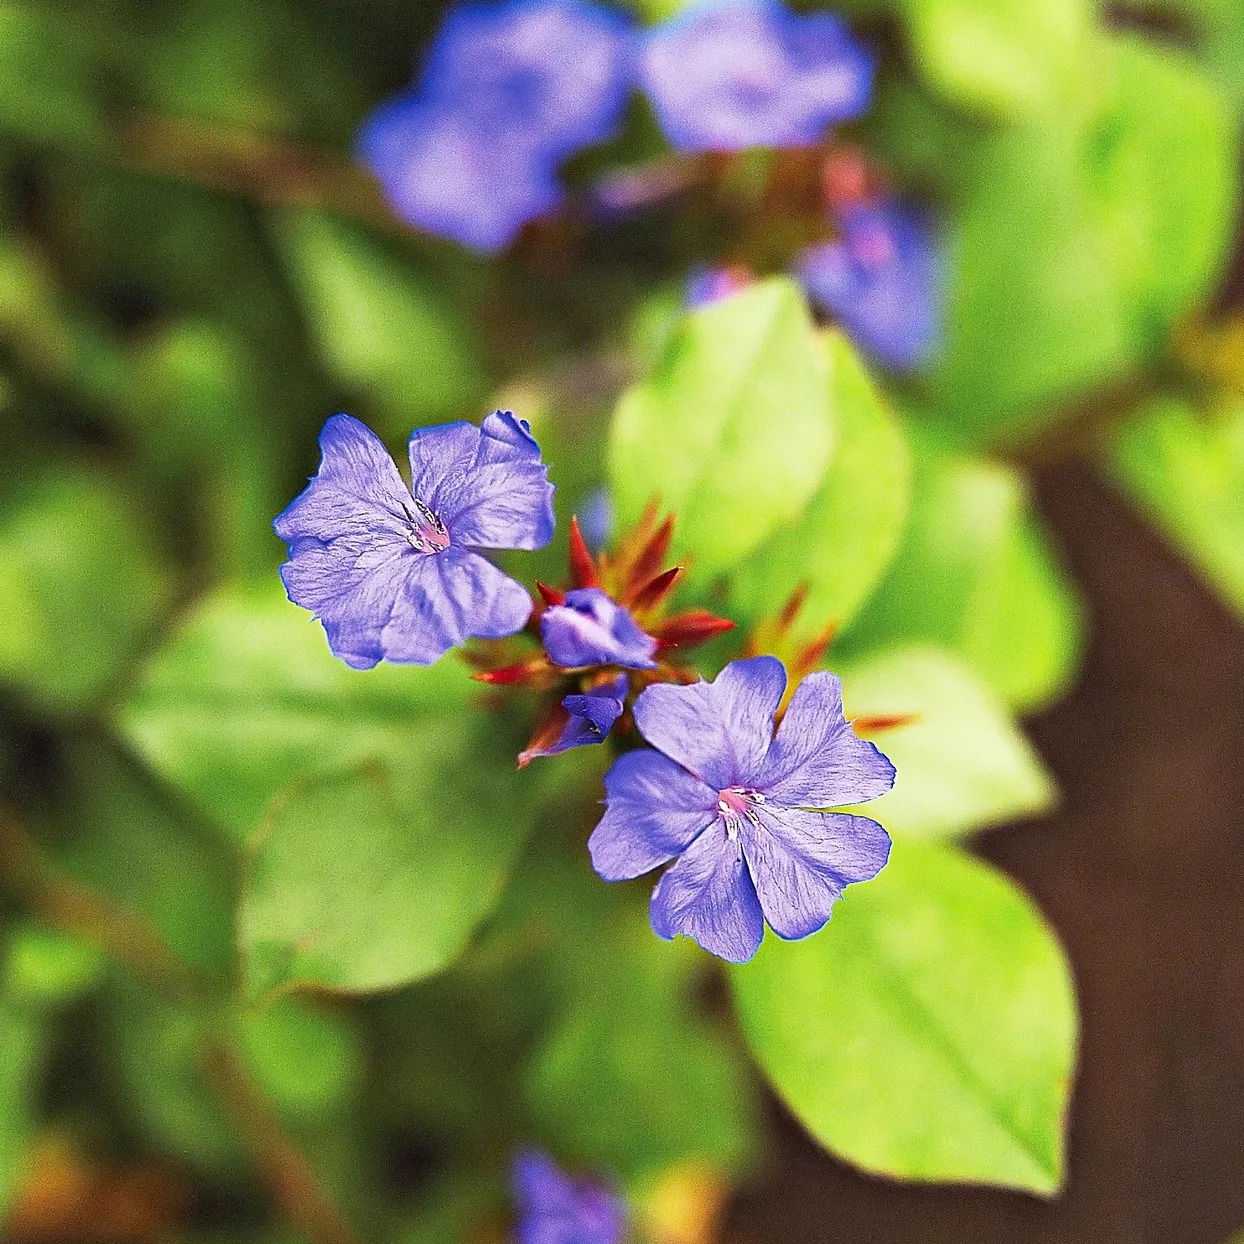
[737, 802]
[428, 533]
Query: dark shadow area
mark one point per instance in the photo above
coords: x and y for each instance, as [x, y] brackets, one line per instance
[1142, 874]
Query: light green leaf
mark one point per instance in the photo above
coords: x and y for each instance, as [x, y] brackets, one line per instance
[850, 529]
[81, 582]
[357, 883]
[962, 763]
[1006, 57]
[977, 574]
[1082, 237]
[733, 431]
[384, 330]
[929, 1033]
[245, 698]
[307, 1058]
[49, 968]
[1185, 469]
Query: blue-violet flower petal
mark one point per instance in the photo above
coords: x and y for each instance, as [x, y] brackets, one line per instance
[592, 629]
[555, 1209]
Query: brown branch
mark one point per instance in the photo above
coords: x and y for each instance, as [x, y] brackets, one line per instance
[290, 1178]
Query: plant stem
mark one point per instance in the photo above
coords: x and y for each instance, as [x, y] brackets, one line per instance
[134, 942]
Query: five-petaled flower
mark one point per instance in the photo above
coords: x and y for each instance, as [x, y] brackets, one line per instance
[394, 572]
[724, 75]
[553, 1208]
[746, 812]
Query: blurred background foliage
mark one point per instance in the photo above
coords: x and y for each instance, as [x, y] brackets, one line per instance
[194, 274]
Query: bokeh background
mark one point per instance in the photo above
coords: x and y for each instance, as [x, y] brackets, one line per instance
[196, 270]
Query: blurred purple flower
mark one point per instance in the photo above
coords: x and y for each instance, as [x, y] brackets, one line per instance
[508, 91]
[453, 177]
[592, 629]
[596, 518]
[552, 74]
[742, 809]
[729, 74]
[708, 285]
[588, 719]
[555, 1209]
[882, 281]
[391, 571]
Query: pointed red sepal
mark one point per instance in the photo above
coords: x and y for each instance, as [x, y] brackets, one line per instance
[792, 609]
[810, 656]
[655, 590]
[510, 675]
[648, 560]
[547, 733]
[864, 726]
[689, 629]
[582, 567]
[552, 596]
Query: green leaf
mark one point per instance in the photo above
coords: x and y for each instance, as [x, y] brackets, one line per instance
[82, 584]
[929, 1033]
[123, 837]
[628, 1077]
[384, 330]
[21, 1051]
[1185, 469]
[245, 698]
[48, 968]
[850, 529]
[358, 883]
[307, 1058]
[733, 431]
[962, 763]
[46, 92]
[977, 574]
[1083, 236]
[1006, 57]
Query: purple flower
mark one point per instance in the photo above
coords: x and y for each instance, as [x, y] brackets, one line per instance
[553, 74]
[729, 74]
[882, 280]
[743, 809]
[596, 518]
[391, 571]
[555, 1209]
[592, 629]
[584, 719]
[453, 177]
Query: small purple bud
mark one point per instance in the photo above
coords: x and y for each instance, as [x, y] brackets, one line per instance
[591, 629]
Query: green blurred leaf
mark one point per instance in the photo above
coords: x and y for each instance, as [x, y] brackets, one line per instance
[156, 1049]
[962, 762]
[850, 529]
[929, 1033]
[307, 1058]
[46, 69]
[1185, 469]
[976, 574]
[1083, 236]
[357, 883]
[82, 584]
[245, 698]
[385, 331]
[1005, 57]
[199, 419]
[48, 968]
[123, 837]
[733, 431]
[21, 1048]
[629, 1078]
